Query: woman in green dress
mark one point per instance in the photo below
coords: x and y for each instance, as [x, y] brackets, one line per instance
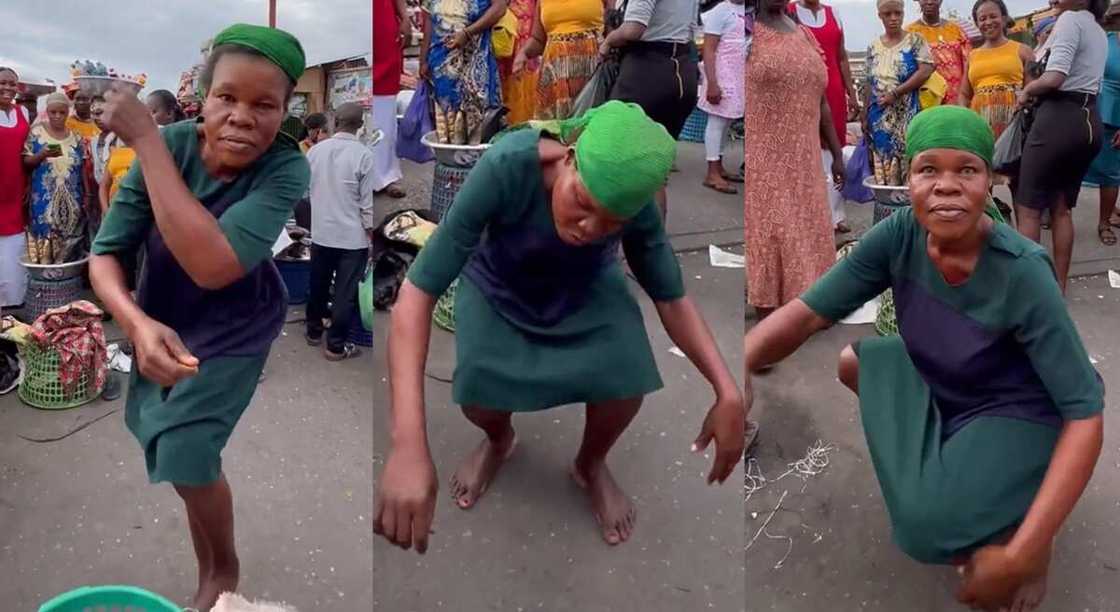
[544, 316]
[983, 419]
[207, 199]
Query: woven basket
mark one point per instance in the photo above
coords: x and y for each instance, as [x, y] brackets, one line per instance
[886, 323]
[41, 387]
[446, 183]
[109, 599]
[44, 295]
[694, 126]
[444, 314]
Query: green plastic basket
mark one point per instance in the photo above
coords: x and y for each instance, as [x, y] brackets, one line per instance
[41, 387]
[109, 599]
[444, 315]
[886, 323]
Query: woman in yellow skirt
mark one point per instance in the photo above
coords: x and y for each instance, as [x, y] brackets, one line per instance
[996, 69]
[566, 35]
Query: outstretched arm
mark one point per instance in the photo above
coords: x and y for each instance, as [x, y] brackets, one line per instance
[727, 418]
[780, 334]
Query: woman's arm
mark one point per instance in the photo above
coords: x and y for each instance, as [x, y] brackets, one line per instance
[425, 45]
[489, 19]
[846, 77]
[727, 418]
[780, 334]
[829, 137]
[537, 38]
[1049, 81]
[34, 160]
[1026, 56]
[711, 41]
[916, 80]
[994, 573]
[965, 97]
[103, 190]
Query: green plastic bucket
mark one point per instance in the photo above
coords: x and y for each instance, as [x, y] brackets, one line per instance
[109, 599]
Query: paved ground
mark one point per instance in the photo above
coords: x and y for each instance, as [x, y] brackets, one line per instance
[828, 546]
[531, 543]
[79, 511]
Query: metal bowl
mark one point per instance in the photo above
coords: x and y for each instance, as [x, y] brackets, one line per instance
[55, 272]
[99, 85]
[462, 156]
[889, 195]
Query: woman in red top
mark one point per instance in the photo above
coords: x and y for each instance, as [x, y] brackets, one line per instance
[14, 126]
[827, 28]
[391, 34]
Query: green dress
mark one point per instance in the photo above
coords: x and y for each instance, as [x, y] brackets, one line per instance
[962, 410]
[540, 323]
[183, 429]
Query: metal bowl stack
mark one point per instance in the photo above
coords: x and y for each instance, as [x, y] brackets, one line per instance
[888, 198]
[459, 156]
[54, 272]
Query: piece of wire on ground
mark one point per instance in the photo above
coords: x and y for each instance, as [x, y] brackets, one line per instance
[71, 432]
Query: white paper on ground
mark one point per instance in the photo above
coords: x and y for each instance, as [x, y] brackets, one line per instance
[282, 242]
[676, 351]
[722, 259]
[1114, 279]
[865, 314]
[118, 360]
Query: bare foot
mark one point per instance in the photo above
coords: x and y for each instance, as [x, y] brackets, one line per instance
[612, 507]
[221, 581]
[476, 472]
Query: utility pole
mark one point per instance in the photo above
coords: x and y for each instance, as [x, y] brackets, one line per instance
[272, 13]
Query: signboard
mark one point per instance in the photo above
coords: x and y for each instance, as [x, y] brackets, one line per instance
[354, 85]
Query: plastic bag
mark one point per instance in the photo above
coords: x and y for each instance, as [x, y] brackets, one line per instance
[365, 298]
[598, 88]
[503, 34]
[1009, 146]
[933, 92]
[858, 169]
[416, 122]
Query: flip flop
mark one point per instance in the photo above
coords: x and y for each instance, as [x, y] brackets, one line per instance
[1106, 235]
[733, 178]
[728, 189]
[1114, 221]
[393, 191]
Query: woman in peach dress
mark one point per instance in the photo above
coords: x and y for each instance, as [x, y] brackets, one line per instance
[788, 225]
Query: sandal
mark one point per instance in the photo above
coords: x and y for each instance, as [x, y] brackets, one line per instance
[1114, 220]
[1107, 236]
[842, 228]
[349, 351]
[728, 189]
[733, 178]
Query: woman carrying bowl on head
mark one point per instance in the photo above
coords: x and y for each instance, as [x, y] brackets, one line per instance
[207, 199]
[61, 191]
[15, 124]
[898, 64]
[983, 418]
[544, 316]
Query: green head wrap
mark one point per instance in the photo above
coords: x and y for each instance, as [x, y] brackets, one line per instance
[622, 156]
[278, 46]
[950, 127]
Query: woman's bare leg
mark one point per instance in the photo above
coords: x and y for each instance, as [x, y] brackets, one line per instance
[1061, 231]
[210, 508]
[474, 475]
[612, 507]
[848, 369]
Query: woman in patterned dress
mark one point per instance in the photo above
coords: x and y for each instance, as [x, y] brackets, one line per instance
[898, 64]
[519, 81]
[458, 58]
[788, 226]
[566, 36]
[61, 169]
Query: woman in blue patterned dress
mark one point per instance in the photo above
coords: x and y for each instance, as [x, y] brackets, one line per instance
[898, 64]
[59, 162]
[457, 58]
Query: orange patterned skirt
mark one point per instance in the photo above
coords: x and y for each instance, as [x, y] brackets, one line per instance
[569, 61]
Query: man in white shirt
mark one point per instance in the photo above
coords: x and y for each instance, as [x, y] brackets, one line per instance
[342, 218]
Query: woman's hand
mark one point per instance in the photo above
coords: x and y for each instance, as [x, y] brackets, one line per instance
[992, 576]
[838, 171]
[714, 94]
[406, 498]
[519, 62]
[1023, 100]
[605, 48]
[888, 98]
[853, 107]
[457, 40]
[726, 422]
[161, 355]
[48, 153]
[127, 117]
[404, 32]
[1116, 141]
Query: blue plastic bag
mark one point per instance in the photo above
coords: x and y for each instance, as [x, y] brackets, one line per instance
[858, 169]
[416, 122]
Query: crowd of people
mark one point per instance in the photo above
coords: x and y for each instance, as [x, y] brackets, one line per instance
[557, 47]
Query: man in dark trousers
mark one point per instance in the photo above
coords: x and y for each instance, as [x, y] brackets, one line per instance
[342, 218]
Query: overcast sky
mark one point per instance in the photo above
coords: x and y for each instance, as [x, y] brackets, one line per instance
[862, 24]
[162, 37]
